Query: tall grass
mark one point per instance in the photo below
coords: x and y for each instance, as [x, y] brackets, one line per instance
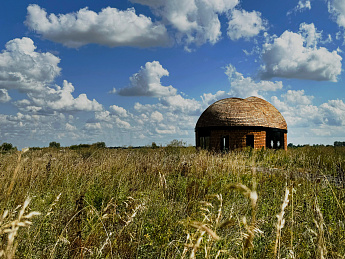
[173, 203]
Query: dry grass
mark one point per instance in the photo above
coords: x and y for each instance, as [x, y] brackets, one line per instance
[280, 223]
[10, 227]
[172, 203]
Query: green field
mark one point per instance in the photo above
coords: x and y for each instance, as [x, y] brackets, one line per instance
[172, 203]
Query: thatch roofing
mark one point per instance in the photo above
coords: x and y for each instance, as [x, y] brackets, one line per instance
[234, 112]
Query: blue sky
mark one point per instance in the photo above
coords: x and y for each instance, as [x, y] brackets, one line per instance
[142, 71]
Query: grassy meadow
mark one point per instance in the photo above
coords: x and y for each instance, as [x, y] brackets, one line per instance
[172, 203]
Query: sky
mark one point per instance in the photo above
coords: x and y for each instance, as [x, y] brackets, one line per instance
[129, 73]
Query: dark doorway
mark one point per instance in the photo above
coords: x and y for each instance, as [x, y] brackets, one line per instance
[250, 141]
[224, 143]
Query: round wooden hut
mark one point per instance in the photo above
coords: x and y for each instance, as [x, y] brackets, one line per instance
[236, 123]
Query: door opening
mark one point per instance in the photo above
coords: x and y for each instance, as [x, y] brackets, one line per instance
[250, 141]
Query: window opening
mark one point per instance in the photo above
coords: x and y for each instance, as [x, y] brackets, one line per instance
[205, 142]
[224, 143]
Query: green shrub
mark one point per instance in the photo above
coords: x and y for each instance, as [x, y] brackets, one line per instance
[54, 144]
[6, 147]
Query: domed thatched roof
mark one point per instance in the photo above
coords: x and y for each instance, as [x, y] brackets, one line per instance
[234, 112]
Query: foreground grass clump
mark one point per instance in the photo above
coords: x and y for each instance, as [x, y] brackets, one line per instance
[173, 203]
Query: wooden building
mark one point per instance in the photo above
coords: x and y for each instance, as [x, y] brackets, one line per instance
[236, 123]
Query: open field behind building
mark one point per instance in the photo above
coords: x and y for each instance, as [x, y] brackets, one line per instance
[172, 203]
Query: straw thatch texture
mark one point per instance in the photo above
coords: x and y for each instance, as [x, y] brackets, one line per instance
[234, 112]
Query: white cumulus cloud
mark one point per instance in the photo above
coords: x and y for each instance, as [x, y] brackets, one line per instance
[147, 82]
[296, 55]
[122, 124]
[24, 69]
[299, 111]
[297, 97]
[93, 126]
[301, 6]
[110, 27]
[70, 127]
[117, 110]
[156, 116]
[243, 24]
[209, 98]
[333, 112]
[32, 72]
[243, 87]
[196, 21]
[61, 99]
[310, 34]
[166, 129]
[4, 97]
[179, 104]
[337, 9]
[115, 118]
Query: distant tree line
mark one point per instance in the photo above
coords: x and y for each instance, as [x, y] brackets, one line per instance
[339, 143]
[55, 144]
[94, 145]
[336, 144]
[6, 147]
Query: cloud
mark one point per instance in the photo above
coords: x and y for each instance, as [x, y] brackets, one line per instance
[36, 130]
[24, 69]
[113, 119]
[110, 27]
[243, 24]
[299, 111]
[196, 21]
[166, 129]
[298, 115]
[112, 91]
[310, 35]
[333, 112]
[101, 116]
[171, 115]
[179, 104]
[122, 124]
[4, 97]
[243, 87]
[156, 116]
[147, 82]
[301, 6]
[93, 126]
[158, 120]
[209, 98]
[297, 108]
[296, 55]
[147, 122]
[173, 104]
[70, 127]
[240, 86]
[297, 97]
[59, 99]
[337, 9]
[117, 110]
[191, 22]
